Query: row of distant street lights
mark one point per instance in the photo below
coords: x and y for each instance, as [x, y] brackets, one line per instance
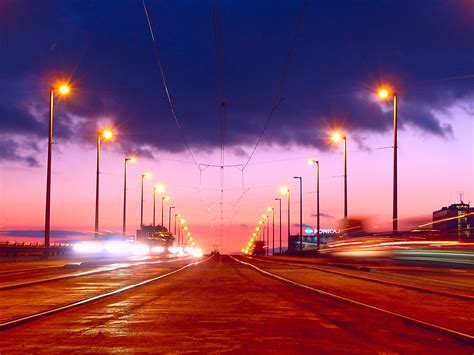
[63, 89]
[383, 93]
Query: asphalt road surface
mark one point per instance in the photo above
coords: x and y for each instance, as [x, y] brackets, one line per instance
[221, 305]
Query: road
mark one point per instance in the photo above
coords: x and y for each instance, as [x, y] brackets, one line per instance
[222, 305]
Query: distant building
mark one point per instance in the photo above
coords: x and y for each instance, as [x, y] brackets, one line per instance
[457, 219]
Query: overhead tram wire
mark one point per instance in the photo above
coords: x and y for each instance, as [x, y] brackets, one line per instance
[278, 99]
[165, 85]
[216, 15]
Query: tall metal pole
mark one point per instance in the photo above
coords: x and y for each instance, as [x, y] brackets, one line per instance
[345, 177]
[279, 200]
[176, 215]
[154, 205]
[318, 226]
[124, 222]
[162, 208]
[47, 225]
[301, 211]
[141, 204]
[289, 219]
[169, 219]
[395, 167]
[97, 189]
[273, 231]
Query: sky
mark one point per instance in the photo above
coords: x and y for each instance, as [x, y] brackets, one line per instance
[320, 79]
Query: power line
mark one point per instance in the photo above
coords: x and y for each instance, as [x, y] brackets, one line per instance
[278, 99]
[165, 85]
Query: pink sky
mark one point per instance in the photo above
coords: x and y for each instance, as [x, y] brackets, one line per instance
[433, 172]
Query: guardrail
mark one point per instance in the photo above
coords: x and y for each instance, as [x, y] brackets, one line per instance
[16, 249]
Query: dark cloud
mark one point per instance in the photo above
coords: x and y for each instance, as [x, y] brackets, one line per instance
[34, 233]
[342, 53]
[324, 215]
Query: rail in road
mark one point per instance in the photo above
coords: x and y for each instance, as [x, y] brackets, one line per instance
[31, 317]
[462, 296]
[221, 305]
[99, 270]
[253, 263]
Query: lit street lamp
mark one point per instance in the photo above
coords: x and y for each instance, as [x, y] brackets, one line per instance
[131, 160]
[279, 200]
[301, 210]
[169, 219]
[271, 209]
[336, 138]
[157, 188]
[385, 94]
[163, 199]
[316, 163]
[148, 177]
[286, 191]
[106, 135]
[63, 90]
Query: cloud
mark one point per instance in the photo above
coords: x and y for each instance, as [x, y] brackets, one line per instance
[339, 58]
[32, 233]
[324, 215]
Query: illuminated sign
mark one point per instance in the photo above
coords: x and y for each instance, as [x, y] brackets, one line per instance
[308, 230]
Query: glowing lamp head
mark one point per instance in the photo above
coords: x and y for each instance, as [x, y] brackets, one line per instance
[159, 188]
[147, 176]
[269, 208]
[260, 222]
[264, 216]
[167, 198]
[257, 229]
[64, 89]
[185, 228]
[182, 221]
[336, 137]
[284, 190]
[107, 134]
[133, 159]
[383, 93]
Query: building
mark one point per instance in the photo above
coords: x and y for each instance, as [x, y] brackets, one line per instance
[456, 220]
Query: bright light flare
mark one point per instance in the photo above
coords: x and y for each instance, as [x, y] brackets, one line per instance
[157, 250]
[117, 247]
[147, 175]
[64, 89]
[107, 134]
[383, 93]
[133, 159]
[284, 190]
[159, 188]
[336, 137]
[269, 208]
[140, 249]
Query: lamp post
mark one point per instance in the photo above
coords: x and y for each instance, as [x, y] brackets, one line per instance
[279, 200]
[265, 216]
[384, 94]
[158, 188]
[148, 177]
[63, 90]
[163, 198]
[301, 210]
[175, 216]
[169, 219]
[106, 135]
[336, 137]
[285, 190]
[271, 209]
[316, 163]
[124, 223]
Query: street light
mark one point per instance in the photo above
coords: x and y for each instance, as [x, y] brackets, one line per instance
[268, 231]
[105, 135]
[336, 138]
[316, 163]
[163, 199]
[63, 89]
[148, 177]
[169, 219]
[384, 94]
[279, 200]
[269, 208]
[301, 210]
[284, 190]
[131, 159]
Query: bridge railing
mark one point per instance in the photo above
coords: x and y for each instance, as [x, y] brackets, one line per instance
[16, 249]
